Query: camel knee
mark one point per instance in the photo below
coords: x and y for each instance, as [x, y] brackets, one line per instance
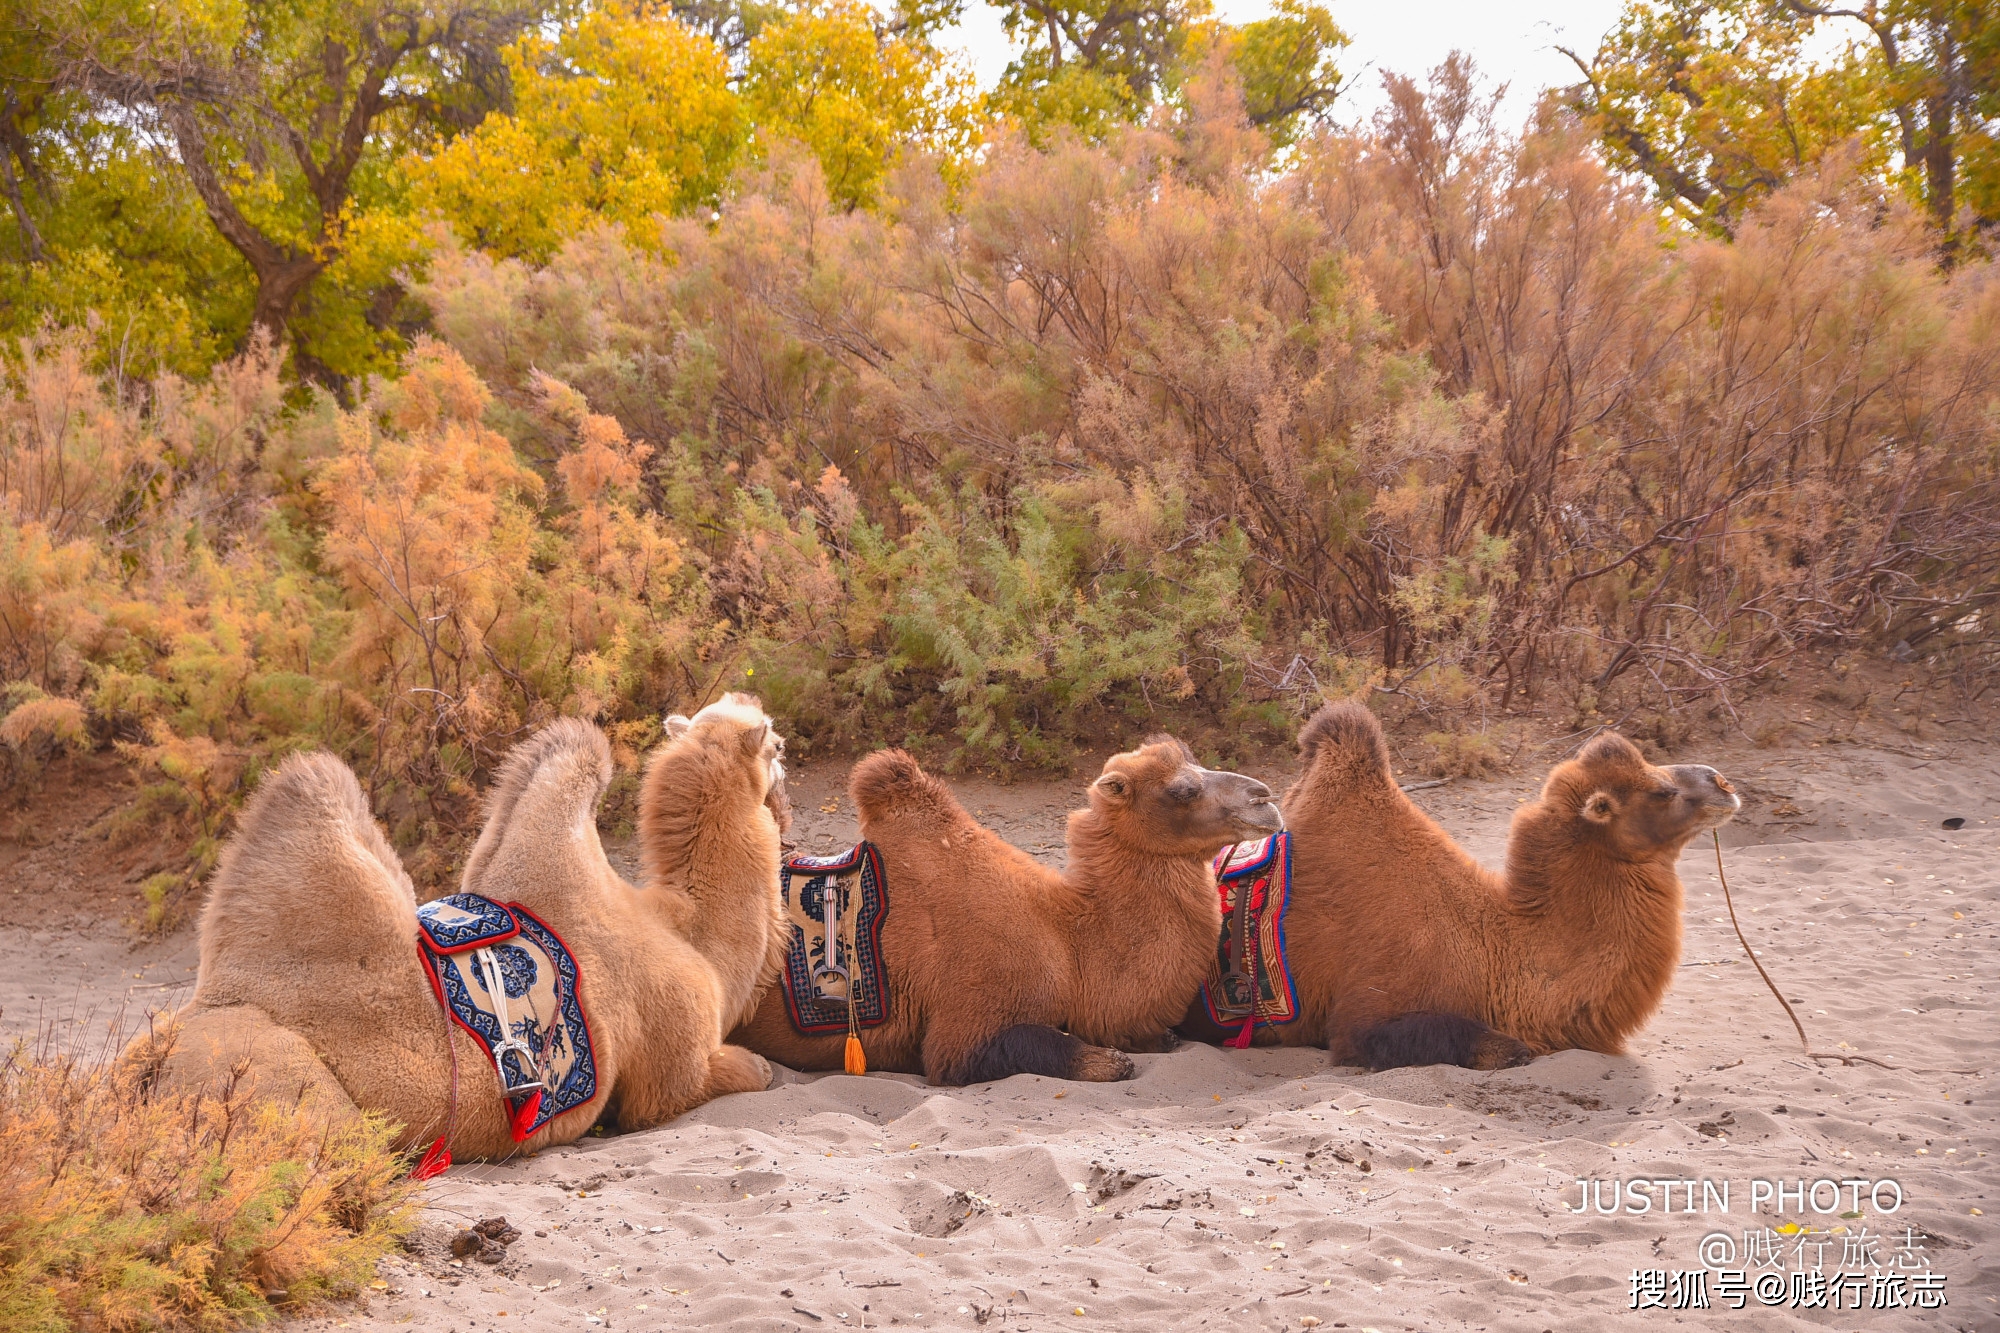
[1438, 1039]
[734, 1069]
[1033, 1048]
[1151, 1043]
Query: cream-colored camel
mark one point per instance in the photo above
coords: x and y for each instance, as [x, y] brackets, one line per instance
[310, 977]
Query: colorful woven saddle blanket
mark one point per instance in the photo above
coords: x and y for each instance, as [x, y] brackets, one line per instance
[1250, 982]
[510, 981]
[835, 978]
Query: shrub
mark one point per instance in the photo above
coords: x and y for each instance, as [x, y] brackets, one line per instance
[125, 1208]
[1092, 438]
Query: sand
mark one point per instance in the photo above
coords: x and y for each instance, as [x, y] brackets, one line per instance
[1260, 1189]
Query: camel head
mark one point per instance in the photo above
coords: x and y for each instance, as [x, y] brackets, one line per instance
[1637, 811]
[1158, 798]
[745, 713]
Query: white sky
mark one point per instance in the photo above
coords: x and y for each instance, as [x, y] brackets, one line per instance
[1510, 41]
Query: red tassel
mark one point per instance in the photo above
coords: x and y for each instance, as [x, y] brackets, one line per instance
[1241, 1041]
[857, 1059]
[435, 1160]
[524, 1119]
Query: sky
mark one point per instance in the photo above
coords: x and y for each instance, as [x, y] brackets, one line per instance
[1510, 41]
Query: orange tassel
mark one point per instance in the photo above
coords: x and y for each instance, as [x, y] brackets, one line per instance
[857, 1061]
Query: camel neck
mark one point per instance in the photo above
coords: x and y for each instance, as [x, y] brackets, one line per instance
[715, 853]
[1612, 927]
[1138, 917]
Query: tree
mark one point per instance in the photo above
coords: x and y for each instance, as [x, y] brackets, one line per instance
[281, 117]
[1941, 65]
[1091, 64]
[1719, 102]
[626, 115]
[1285, 67]
[854, 96]
[1716, 102]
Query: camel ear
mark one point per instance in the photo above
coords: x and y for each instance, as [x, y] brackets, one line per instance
[1114, 785]
[677, 726]
[1599, 807]
[753, 739]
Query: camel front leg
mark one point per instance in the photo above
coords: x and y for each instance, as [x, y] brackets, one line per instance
[236, 1048]
[1025, 1048]
[1150, 1043]
[1426, 1038]
[736, 1069]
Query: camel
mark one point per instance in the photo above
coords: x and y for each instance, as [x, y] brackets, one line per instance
[1406, 951]
[310, 980]
[997, 964]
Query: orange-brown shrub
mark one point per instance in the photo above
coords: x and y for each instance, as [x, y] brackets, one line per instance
[1106, 432]
[122, 1208]
[1443, 409]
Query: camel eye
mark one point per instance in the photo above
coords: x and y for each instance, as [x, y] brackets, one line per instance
[1183, 789]
[1666, 794]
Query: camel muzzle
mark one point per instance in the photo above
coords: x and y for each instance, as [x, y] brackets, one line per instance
[1265, 817]
[1248, 801]
[1716, 795]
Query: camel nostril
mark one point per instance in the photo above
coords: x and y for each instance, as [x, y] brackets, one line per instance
[1722, 784]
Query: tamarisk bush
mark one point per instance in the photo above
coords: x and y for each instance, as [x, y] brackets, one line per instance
[1100, 437]
[1435, 407]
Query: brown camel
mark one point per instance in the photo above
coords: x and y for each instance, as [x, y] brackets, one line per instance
[1406, 951]
[310, 976]
[997, 964]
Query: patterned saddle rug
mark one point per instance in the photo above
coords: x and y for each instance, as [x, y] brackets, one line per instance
[835, 979]
[510, 981]
[1250, 983]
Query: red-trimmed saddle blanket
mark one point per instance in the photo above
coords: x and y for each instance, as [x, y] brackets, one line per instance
[500, 973]
[835, 978]
[1250, 983]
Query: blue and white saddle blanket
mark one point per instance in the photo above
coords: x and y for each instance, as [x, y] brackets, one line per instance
[510, 981]
[835, 978]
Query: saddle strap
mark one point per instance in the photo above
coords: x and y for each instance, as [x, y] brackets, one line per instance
[496, 985]
[1239, 944]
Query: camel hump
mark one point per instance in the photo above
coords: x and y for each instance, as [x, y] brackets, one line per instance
[307, 800]
[306, 849]
[1349, 735]
[545, 785]
[892, 781]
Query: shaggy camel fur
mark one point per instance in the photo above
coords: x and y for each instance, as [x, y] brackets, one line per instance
[310, 978]
[1406, 951]
[999, 965]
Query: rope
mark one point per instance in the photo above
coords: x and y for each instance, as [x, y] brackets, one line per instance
[1845, 1057]
[854, 1060]
[1804, 1045]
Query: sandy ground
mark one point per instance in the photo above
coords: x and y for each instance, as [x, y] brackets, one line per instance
[1264, 1189]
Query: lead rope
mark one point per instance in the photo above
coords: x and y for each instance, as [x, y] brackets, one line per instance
[1248, 922]
[1804, 1045]
[854, 1059]
[1845, 1057]
[438, 1156]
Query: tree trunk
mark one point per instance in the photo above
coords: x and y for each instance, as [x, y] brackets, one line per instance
[279, 285]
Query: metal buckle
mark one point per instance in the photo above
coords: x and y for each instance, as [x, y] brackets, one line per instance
[508, 1086]
[830, 971]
